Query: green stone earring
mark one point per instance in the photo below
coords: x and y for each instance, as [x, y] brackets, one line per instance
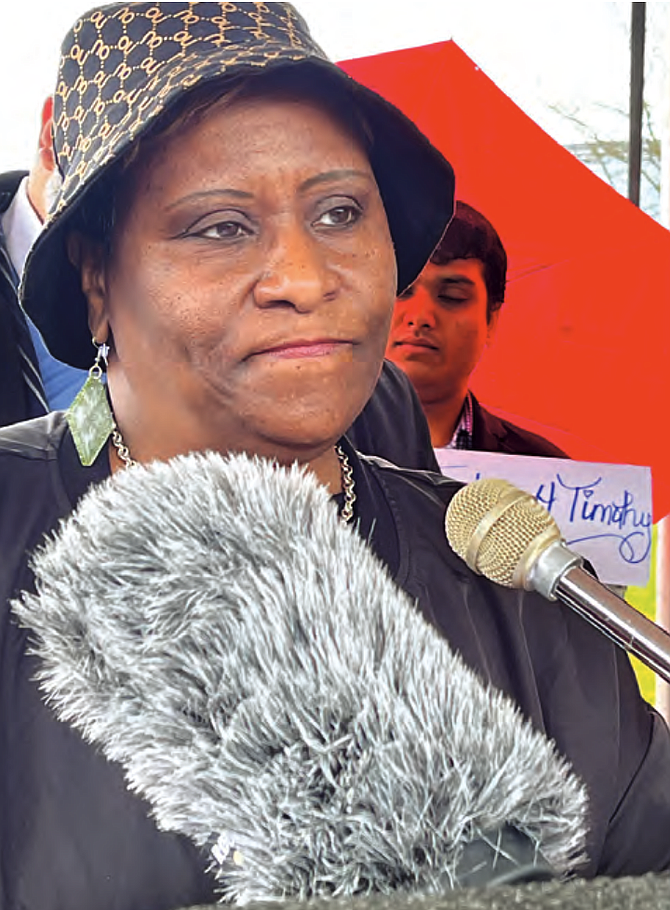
[89, 416]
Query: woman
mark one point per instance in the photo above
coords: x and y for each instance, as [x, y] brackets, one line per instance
[234, 221]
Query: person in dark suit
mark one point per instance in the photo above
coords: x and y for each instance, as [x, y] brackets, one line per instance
[32, 382]
[440, 327]
[22, 394]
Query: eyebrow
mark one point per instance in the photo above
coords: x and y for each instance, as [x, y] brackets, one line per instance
[329, 176]
[440, 283]
[456, 279]
[326, 177]
[210, 194]
[460, 283]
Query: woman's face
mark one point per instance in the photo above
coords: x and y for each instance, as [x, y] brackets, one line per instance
[250, 284]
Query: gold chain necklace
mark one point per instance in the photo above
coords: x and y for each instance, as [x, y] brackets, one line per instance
[348, 483]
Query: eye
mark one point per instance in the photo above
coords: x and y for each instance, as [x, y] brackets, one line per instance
[222, 225]
[454, 296]
[340, 216]
[222, 230]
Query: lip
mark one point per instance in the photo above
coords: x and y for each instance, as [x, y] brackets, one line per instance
[297, 348]
[414, 342]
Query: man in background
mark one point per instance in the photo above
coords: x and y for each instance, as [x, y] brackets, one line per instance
[441, 326]
[32, 382]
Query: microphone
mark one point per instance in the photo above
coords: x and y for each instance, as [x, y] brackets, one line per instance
[210, 624]
[506, 535]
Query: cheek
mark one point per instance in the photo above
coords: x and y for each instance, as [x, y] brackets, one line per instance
[153, 304]
[380, 317]
[381, 281]
[469, 337]
[380, 288]
[398, 315]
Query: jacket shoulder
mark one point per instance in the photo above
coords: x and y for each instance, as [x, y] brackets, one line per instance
[392, 424]
[431, 484]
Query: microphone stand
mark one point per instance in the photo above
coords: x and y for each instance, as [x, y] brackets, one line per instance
[630, 629]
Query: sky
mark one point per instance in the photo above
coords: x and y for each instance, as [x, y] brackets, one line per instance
[571, 55]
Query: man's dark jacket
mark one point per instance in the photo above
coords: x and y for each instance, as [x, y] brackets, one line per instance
[493, 434]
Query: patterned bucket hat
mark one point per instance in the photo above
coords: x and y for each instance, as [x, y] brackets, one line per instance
[123, 65]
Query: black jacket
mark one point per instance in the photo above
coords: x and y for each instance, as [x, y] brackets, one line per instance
[73, 838]
[392, 425]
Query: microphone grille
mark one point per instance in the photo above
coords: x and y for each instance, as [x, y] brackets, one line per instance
[491, 524]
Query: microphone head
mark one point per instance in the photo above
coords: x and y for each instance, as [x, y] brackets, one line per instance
[499, 530]
[266, 686]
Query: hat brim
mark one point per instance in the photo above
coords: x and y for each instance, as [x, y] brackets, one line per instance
[415, 181]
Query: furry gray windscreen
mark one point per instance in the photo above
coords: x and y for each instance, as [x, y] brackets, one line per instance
[212, 626]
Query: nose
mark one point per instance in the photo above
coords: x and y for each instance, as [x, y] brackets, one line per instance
[296, 271]
[418, 310]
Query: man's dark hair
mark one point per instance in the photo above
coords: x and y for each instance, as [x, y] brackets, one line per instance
[471, 236]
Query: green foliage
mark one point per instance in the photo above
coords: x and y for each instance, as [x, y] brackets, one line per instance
[608, 157]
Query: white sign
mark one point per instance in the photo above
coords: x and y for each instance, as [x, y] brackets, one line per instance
[603, 510]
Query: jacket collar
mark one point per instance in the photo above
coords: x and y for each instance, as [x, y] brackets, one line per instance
[488, 431]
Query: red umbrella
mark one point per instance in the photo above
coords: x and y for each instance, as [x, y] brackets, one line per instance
[582, 348]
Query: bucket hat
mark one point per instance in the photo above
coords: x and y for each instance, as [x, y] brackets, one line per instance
[123, 65]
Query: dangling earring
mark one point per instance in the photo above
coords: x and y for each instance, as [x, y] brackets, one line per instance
[89, 416]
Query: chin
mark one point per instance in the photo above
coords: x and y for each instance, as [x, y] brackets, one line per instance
[307, 413]
[308, 435]
[415, 369]
[303, 435]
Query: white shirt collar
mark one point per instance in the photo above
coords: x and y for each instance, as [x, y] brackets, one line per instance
[20, 225]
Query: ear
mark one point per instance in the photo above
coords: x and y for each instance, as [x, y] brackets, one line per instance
[89, 258]
[492, 327]
[46, 146]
